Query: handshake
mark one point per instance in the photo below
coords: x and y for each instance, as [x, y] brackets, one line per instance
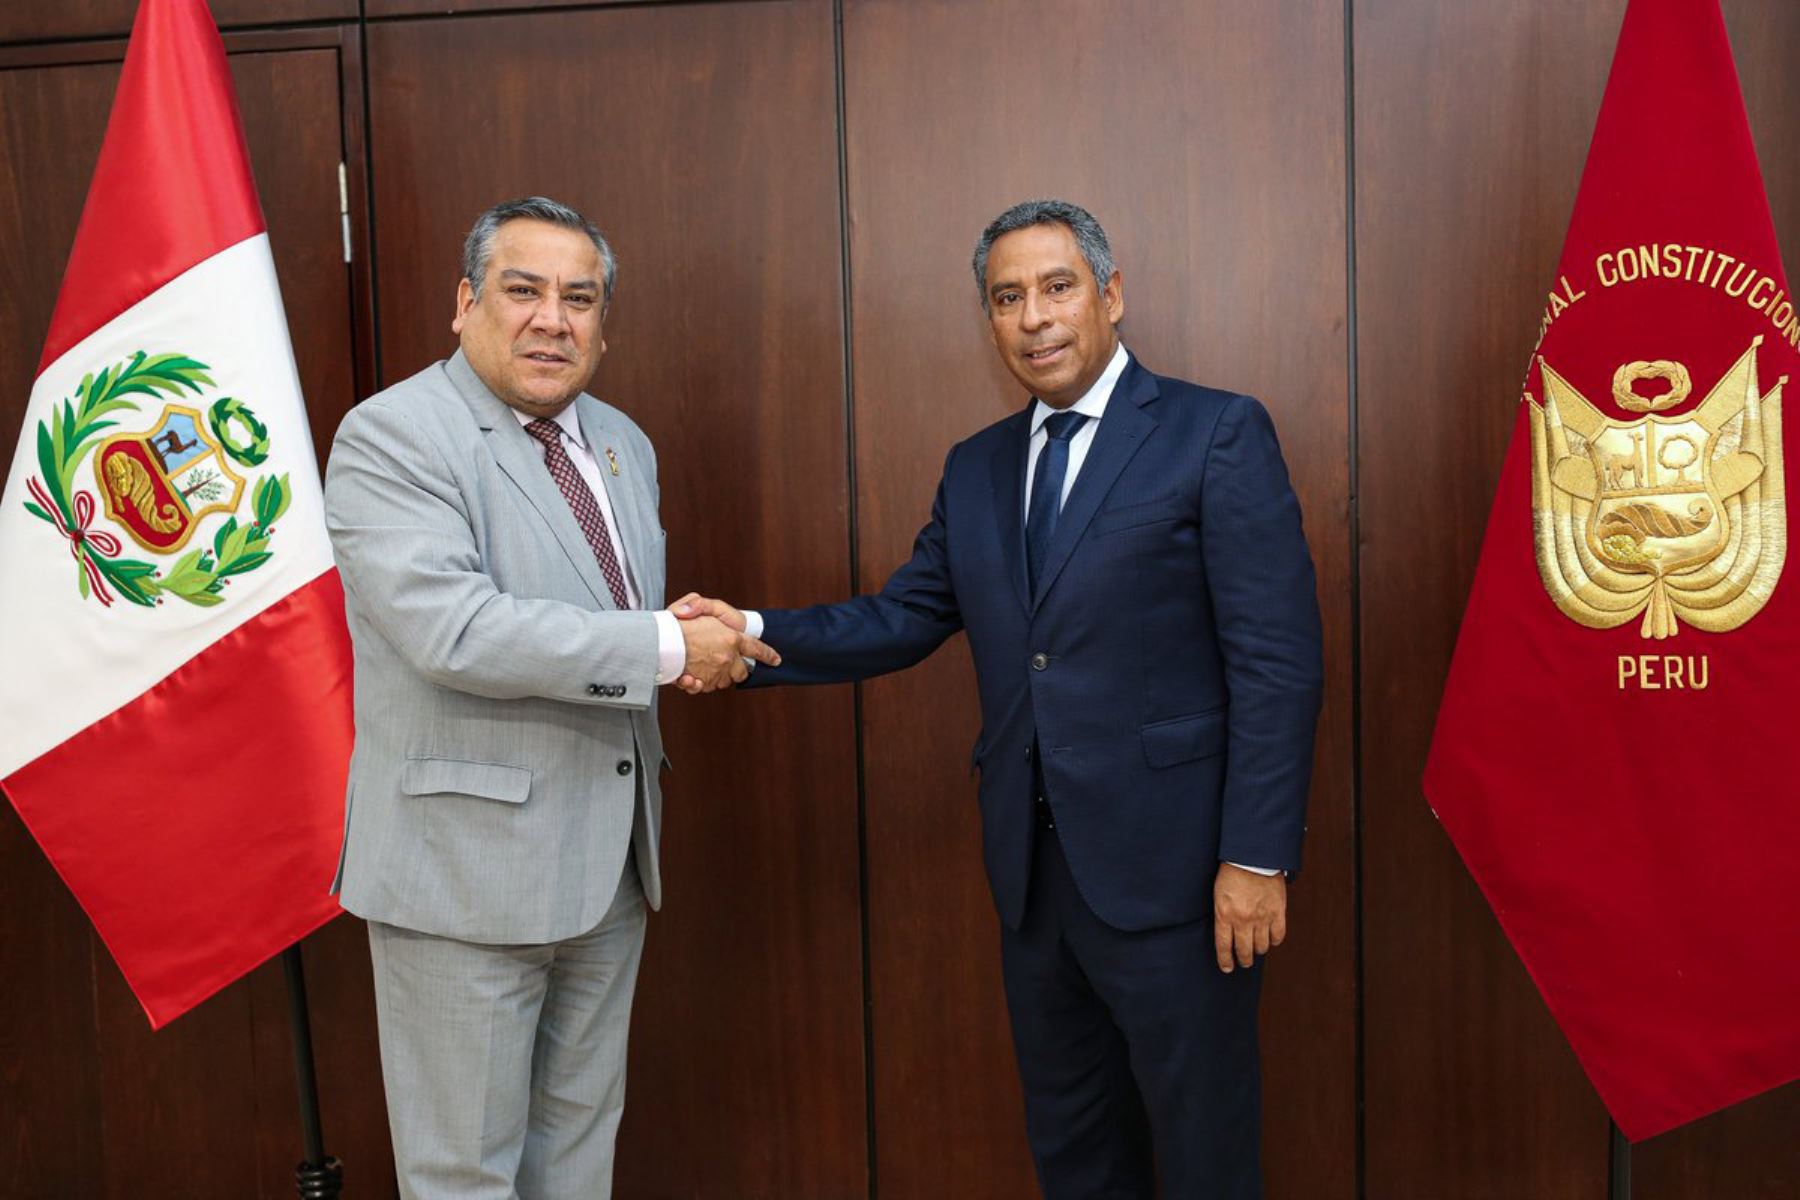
[719, 652]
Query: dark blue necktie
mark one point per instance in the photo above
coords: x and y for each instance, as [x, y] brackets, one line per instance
[1046, 490]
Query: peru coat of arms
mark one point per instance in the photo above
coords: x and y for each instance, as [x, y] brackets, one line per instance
[158, 482]
[1681, 519]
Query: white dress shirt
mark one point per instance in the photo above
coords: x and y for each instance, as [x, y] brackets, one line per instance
[1092, 405]
[671, 647]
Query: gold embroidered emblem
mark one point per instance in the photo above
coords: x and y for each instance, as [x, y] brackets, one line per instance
[1669, 516]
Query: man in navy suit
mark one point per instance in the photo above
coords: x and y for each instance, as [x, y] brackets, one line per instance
[1127, 558]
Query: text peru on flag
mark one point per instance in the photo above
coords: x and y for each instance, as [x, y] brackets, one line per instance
[175, 709]
[1616, 750]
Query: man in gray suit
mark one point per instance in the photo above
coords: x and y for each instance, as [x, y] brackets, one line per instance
[502, 559]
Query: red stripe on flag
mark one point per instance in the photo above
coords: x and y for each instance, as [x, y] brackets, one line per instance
[172, 187]
[220, 792]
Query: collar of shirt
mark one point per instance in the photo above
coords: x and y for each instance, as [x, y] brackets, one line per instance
[566, 420]
[1093, 404]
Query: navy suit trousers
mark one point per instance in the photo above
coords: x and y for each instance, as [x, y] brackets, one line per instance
[1137, 1054]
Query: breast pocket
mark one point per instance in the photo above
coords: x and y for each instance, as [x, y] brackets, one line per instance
[1135, 516]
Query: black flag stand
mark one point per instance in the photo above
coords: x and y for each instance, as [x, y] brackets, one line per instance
[1619, 1172]
[319, 1176]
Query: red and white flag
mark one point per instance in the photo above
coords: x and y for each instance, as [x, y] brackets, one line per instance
[1615, 755]
[175, 697]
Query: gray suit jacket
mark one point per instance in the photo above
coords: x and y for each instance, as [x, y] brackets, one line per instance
[507, 750]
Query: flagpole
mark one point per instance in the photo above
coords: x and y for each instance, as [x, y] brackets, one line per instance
[1619, 1173]
[319, 1176]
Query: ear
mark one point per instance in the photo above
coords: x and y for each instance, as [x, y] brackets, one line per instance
[1113, 294]
[465, 300]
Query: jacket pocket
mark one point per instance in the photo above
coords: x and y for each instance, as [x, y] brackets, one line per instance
[1184, 739]
[1131, 516]
[490, 781]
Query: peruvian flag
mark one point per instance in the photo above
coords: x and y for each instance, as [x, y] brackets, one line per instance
[1616, 755]
[175, 698]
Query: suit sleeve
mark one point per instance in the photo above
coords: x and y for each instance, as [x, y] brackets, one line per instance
[912, 615]
[406, 552]
[1265, 607]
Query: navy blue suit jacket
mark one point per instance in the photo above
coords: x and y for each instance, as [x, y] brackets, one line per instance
[1169, 668]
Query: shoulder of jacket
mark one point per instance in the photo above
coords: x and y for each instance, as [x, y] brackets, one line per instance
[999, 431]
[1185, 391]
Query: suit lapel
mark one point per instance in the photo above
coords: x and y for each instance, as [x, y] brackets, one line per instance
[1117, 438]
[524, 465]
[1008, 472]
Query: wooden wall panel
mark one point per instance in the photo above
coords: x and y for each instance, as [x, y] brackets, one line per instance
[377, 9]
[49, 1058]
[1209, 139]
[703, 140]
[205, 1107]
[1472, 124]
[40, 20]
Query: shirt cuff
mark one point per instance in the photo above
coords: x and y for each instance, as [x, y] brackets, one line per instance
[753, 622]
[671, 647]
[1257, 870]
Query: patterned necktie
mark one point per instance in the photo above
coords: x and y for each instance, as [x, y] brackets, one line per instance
[581, 501]
[1046, 490]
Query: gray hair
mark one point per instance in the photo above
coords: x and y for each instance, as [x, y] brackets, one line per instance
[478, 247]
[1089, 237]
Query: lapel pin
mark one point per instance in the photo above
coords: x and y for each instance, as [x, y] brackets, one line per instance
[612, 460]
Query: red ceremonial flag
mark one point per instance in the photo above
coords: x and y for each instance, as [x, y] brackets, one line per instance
[1614, 755]
[176, 699]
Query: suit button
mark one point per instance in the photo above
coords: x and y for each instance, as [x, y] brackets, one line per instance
[594, 689]
[1039, 661]
[624, 767]
[1028, 754]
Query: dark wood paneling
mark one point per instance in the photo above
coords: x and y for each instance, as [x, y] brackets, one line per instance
[404, 8]
[1209, 140]
[702, 139]
[50, 123]
[1472, 122]
[177, 1106]
[205, 1107]
[29, 22]
[49, 1063]
[296, 163]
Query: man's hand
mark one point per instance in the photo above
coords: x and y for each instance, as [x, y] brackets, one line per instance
[716, 654]
[695, 605]
[1249, 915]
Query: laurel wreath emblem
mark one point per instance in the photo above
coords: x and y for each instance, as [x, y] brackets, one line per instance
[199, 577]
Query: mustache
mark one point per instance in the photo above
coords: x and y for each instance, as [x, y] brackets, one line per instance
[561, 349]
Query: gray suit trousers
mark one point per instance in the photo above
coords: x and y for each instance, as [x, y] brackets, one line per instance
[505, 1065]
